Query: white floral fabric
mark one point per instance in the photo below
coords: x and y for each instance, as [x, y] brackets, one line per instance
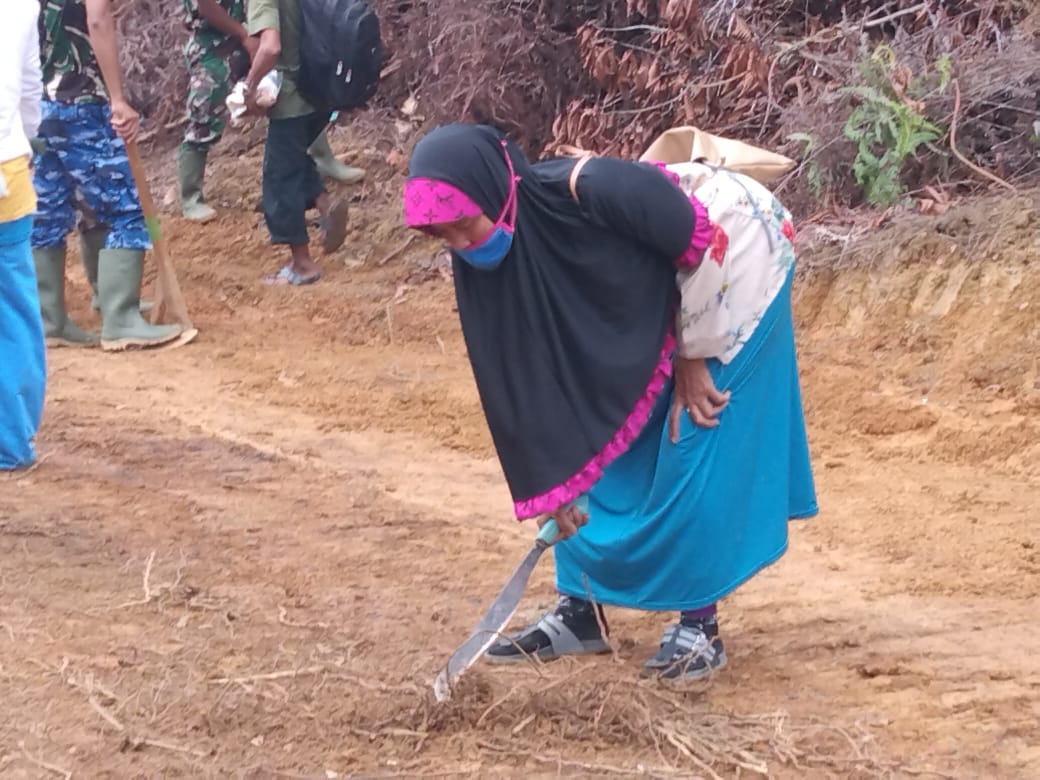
[749, 257]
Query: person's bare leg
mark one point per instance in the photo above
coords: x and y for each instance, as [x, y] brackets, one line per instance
[290, 186]
[302, 263]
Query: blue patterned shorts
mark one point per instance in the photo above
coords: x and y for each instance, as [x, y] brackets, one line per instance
[83, 152]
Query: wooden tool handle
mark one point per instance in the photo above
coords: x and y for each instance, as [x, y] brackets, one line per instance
[143, 193]
[167, 290]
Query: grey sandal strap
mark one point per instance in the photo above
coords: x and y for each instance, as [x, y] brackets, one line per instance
[686, 654]
[679, 641]
[561, 639]
[687, 639]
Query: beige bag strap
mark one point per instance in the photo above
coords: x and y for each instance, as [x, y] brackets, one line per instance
[575, 173]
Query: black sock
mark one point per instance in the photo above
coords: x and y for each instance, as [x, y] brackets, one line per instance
[704, 619]
[580, 617]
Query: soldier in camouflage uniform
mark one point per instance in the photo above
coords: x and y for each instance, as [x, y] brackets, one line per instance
[218, 54]
[79, 154]
[92, 235]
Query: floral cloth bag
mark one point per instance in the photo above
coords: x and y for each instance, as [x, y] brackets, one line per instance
[751, 249]
[744, 267]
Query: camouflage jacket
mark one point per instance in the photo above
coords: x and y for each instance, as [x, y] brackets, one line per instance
[70, 70]
[206, 38]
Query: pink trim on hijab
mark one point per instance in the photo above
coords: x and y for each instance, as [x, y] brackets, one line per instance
[629, 431]
[432, 202]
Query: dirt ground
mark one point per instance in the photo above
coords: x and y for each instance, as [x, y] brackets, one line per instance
[249, 556]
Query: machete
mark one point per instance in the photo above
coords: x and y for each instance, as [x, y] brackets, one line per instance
[499, 613]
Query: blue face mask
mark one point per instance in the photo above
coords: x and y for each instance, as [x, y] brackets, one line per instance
[489, 253]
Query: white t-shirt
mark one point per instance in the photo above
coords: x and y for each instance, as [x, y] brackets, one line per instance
[21, 83]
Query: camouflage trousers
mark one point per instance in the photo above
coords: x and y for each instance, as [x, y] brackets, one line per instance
[211, 75]
[87, 218]
[84, 159]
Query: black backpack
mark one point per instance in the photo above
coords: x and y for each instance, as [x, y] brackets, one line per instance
[341, 53]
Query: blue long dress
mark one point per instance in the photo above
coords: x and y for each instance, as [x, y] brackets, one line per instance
[23, 369]
[678, 526]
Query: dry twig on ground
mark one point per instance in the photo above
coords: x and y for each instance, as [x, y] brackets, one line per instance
[41, 764]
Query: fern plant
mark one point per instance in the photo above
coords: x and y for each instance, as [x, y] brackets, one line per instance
[887, 129]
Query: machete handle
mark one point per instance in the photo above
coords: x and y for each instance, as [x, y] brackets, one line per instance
[550, 530]
[548, 533]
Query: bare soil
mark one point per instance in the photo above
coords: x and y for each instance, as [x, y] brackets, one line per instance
[249, 556]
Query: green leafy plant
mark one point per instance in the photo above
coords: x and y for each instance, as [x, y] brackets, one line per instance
[887, 125]
[944, 67]
[812, 169]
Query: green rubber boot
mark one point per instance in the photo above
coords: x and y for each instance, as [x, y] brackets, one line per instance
[327, 164]
[119, 288]
[91, 242]
[58, 329]
[191, 169]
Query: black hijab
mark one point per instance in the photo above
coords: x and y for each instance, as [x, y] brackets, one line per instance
[566, 334]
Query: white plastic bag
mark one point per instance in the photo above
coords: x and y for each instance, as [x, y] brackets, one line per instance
[266, 95]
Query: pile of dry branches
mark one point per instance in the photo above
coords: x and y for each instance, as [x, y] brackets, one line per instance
[490, 61]
[668, 734]
[152, 36]
[563, 723]
[732, 65]
[609, 75]
[767, 71]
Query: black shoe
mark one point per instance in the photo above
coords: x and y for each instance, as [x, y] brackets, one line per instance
[570, 629]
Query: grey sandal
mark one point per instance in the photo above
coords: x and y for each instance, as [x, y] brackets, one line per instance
[334, 225]
[550, 638]
[687, 653]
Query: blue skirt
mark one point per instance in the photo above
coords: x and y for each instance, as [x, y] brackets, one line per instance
[23, 368]
[678, 526]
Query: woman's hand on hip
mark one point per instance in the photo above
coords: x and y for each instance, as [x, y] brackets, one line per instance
[696, 395]
[568, 520]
